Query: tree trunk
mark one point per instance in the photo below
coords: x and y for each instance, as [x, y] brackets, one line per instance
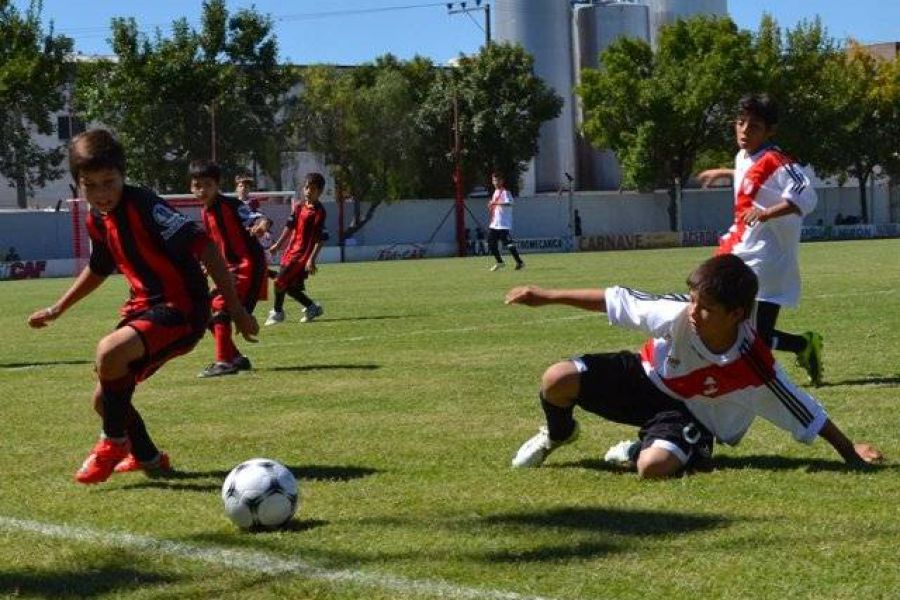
[862, 176]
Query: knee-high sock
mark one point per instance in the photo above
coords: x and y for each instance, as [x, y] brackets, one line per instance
[559, 420]
[279, 300]
[116, 400]
[226, 351]
[301, 297]
[788, 341]
[141, 444]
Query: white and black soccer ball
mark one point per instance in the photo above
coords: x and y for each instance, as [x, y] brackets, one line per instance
[260, 493]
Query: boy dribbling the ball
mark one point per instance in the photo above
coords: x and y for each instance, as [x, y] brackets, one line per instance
[159, 251]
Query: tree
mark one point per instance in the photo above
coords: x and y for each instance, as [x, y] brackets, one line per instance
[660, 112]
[33, 73]
[501, 106]
[360, 122]
[213, 93]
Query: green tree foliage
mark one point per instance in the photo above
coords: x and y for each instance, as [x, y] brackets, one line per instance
[501, 105]
[193, 95]
[660, 112]
[33, 72]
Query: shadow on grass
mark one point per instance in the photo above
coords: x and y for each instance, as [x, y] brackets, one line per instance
[300, 368]
[49, 363]
[784, 463]
[109, 579]
[182, 481]
[887, 381]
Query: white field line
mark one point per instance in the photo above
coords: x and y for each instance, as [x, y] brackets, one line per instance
[257, 562]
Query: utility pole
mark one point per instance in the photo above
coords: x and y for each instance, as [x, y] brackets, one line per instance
[459, 203]
[456, 8]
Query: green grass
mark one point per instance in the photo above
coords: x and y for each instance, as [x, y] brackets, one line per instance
[400, 411]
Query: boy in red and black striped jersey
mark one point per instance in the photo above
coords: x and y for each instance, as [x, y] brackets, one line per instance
[159, 251]
[304, 235]
[227, 221]
[703, 376]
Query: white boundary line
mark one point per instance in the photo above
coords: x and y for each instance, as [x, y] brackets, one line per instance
[257, 562]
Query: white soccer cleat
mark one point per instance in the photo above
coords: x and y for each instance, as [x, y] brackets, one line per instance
[497, 266]
[275, 317]
[623, 454]
[311, 312]
[535, 451]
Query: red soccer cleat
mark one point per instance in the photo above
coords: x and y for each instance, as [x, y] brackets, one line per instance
[99, 464]
[131, 463]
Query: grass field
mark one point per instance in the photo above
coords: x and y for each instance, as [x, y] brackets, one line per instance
[400, 410]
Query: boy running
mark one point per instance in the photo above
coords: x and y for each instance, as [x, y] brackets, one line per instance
[772, 194]
[159, 251]
[304, 238]
[501, 208]
[704, 375]
[227, 221]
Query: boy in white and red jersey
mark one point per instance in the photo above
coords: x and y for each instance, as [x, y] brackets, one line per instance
[772, 194]
[500, 208]
[704, 375]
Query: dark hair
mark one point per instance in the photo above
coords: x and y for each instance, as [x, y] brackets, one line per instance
[760, 105]
[727, 280]
[316, 179]
[95, 149]
[205, 169]
[243, 176]
[498, 174]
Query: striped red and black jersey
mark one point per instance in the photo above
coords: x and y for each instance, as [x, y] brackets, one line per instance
[156, 248]
[307, 223]
[227, 222]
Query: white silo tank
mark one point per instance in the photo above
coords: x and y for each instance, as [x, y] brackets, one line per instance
[544, 29]
[665, 12]
[596, 27]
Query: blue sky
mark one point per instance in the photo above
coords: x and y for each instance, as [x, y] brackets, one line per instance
[355, 31]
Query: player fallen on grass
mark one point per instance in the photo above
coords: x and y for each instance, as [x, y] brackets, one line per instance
[303, 235]
[227, 221]
[159, 251]
[772, 194]
[704, 375]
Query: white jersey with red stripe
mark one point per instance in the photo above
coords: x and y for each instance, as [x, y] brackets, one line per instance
[764, 179]
[724, 391]
[501, 209]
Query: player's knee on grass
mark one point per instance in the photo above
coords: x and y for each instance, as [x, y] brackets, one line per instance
[655, 463]
[560, 384]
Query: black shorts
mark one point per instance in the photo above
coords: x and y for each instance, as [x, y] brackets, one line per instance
[616, 387]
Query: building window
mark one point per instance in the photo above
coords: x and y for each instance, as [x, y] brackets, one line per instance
[68, 126]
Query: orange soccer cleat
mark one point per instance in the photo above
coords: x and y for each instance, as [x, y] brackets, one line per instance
[102, 460]
[131, 463]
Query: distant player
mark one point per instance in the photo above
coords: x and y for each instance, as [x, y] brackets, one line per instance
[704, 375]
[243, 185]
[228, 222]
[303, 235]
[500, 208]
[159, 251]
[772, 194]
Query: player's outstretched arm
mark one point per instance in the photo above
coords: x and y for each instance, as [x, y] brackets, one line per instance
[531, 295]
[86, 282]
[710, 176]
[215, 266]
[854, 454]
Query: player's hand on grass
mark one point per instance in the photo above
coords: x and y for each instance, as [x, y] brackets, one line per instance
[42, 317]
[529, 295]
[246, 325]
[868, 453]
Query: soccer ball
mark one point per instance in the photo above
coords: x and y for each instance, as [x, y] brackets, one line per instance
[260, 493]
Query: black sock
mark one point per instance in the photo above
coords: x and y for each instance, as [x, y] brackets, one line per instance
[141, 444]
[560, 423]
[515, 253]
[788, 342]
[279, 301]
[116, 400]
[301, 297]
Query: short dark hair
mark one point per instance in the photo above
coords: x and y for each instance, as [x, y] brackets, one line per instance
[727, 280]
[243, 176]
[498, 174]
[95, 149]
[316, 179]
[760, 105]
[205, 169]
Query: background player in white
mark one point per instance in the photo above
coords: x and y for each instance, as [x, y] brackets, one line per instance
[500, 208]
[703, 375]
[772, 194]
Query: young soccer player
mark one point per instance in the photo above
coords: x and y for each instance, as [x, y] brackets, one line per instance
[159, 251]
[243, 185]
[772, 194]
[704, 374]
[227, 222]
[500, 208]
[303, 234]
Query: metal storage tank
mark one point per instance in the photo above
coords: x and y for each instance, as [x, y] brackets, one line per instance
[597, 26]
[664, 12]
[544, 29]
